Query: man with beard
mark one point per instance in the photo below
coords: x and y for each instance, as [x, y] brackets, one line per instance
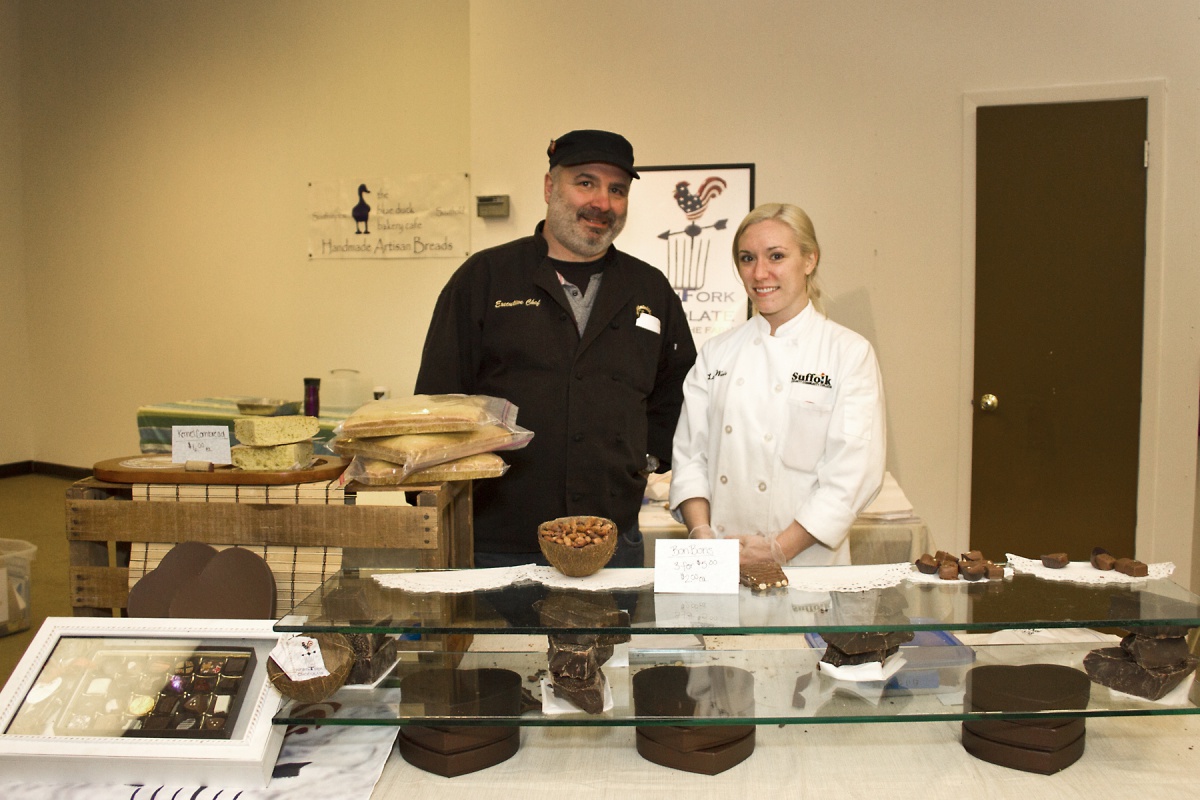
[591, 345]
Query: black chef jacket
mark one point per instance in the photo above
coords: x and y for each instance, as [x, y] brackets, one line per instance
[597, 403]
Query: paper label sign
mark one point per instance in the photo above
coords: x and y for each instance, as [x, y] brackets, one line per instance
[696, 566]
[200, 443]
[299, 657]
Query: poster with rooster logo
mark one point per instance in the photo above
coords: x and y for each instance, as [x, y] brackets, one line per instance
[682, 220]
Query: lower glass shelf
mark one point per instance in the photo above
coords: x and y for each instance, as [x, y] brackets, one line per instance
[684, 686]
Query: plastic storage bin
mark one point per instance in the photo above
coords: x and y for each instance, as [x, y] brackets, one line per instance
[16, 557]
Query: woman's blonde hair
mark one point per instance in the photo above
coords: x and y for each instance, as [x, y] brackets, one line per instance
[801, 227]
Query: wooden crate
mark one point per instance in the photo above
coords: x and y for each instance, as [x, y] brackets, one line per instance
[113, 539]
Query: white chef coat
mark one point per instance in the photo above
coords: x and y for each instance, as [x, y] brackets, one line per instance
[781, 428]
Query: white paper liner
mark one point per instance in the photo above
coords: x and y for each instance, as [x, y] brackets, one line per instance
[1084, 572]
[458, 581]
[916, 576]
[858, 578]
[871, 671]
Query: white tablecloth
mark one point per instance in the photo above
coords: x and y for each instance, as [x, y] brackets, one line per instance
[1157, 757]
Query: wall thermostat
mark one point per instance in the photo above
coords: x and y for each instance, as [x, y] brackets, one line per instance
[491, 205]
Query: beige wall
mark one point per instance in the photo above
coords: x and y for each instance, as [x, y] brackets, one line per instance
[165, 149]
[855, 110]
[16, 434]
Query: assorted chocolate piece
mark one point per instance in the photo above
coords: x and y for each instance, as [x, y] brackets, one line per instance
[164, 693]
[1055, 560]
[1131, 567]
[970, 566]
[1102, 559]
[847, 649]
[762, 575]
[574, 659]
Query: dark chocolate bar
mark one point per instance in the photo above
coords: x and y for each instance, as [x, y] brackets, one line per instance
[1155, 653]
[1116, 669]
[866, 641]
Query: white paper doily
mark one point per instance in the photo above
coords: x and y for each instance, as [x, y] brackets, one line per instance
[1084, 572]
[458, 581]
[859, 578]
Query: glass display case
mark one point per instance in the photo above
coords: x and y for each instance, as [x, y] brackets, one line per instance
[765, 670]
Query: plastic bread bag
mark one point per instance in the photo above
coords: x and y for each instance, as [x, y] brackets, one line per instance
[376, 472]
[427, 413]
[415, 451]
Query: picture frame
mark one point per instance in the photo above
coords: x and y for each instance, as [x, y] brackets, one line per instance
[683, 223]
[67, 669]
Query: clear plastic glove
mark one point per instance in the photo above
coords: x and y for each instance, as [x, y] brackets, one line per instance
[760, 548]
[702, 532]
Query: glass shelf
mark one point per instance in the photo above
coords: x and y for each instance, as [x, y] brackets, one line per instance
[786, 688]
[783, 679]
[354, 602]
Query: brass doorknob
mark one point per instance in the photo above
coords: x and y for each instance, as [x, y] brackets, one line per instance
[989, 402]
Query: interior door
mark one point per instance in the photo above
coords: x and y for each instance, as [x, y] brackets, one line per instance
[1060, 263]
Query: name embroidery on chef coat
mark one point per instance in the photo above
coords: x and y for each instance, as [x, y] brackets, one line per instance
[532, 301]
[812, 379]
[717, 373]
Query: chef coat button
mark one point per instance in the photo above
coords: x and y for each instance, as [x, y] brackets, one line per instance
[729, 429]
[740, 381]
[577, 437]
[758, 340]
[779, 387]
[768, 437]
[562, 317]
[614, 325]
[762, 486]
[720, 529]
[576, 496]
[578, 376]
[616, 377]
[724, 479]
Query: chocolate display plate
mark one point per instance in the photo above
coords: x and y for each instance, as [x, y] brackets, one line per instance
[463, 692]
[1033, 737]
[1022, 758]
[159, 693]
[709, 761]
[686, 738]
[456, 739]
[448, 765]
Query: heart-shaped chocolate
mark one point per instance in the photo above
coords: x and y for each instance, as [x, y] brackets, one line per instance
[151, 595]
[1027, 687]
[235, 584]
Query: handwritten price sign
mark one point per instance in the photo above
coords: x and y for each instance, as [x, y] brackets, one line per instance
[696, 566]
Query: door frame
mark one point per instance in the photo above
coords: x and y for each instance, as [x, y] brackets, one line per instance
[1151, 543]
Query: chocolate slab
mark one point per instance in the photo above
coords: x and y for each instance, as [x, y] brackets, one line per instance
[1022, 758]
[1116, 669]
[709, 761]
[448, 765]
[151, 596]
[686, 738]
[837, 658]
[1155, 653]
[762, 575]
[374, 654]
[705, 691]
[577, 661]
[464, 692]
[866, 641]
[1050, 738]
[235, 584]
[585, 693]
[1030, 687]
[451, 740]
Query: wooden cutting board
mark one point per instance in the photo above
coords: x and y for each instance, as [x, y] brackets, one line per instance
[159, 469]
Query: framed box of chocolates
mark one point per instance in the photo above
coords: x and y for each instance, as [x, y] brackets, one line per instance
[137, 700]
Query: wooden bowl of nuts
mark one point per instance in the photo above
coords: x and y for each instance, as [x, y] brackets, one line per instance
[578, 546]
